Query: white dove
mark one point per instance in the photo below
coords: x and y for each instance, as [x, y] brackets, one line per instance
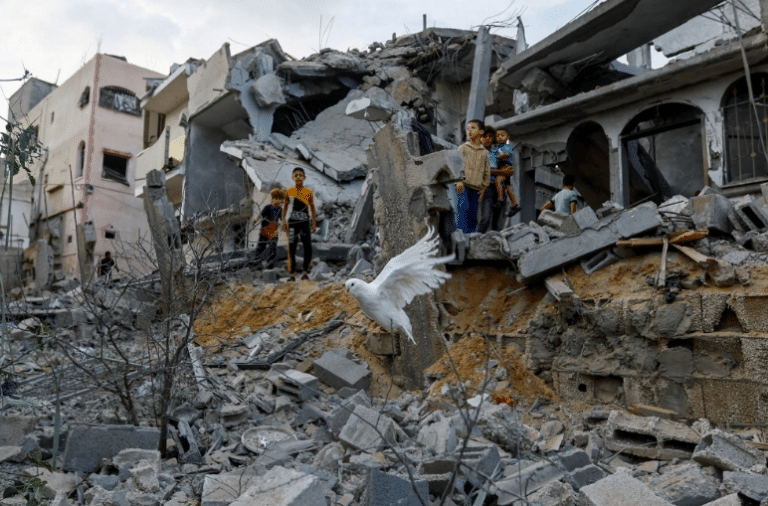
[405, 276]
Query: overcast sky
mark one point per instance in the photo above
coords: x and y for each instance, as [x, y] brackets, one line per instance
[53, 38]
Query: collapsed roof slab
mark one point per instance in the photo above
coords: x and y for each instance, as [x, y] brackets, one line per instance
[610, 30]
[680, 74]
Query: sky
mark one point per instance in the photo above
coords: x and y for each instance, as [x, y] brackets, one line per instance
[56, 37]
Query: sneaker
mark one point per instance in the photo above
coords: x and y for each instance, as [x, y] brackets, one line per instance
[304, 276]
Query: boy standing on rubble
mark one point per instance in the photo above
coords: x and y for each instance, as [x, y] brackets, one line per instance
[564, 201]
[477, 173]
[266, 251]
[300, 221]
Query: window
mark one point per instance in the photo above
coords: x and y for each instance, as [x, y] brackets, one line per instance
[745, 155]
[69, 239]
[80, 159]
[110, 234]
[85, 97]
[115, 167]
[51, 117]
[119, 99]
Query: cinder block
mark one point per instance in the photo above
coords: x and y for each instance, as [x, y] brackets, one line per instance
[339, 372]
[574, 459]
[649, 437]
[686, 485]
[384, 489]
[620, 489]
[300, 384]
[710, 211]
[87, 445]
[481, 462]
[600, 260]
[751, 216]
[726, 451]
[585, 476]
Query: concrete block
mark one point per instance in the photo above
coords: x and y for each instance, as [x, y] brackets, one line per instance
[649, 437]
[303, 385]
[87, 445]
[751, 216]
[727, 451]
[584, 476]
[487, 246]
[620, 489]
[359, 430]
[362, 218]
[710, 211]
[686, 485]
[14, 428]
[284, 487]
[268, 90]
[223, 489]
[559, 289]
[338, 418]
[607, 231]
[480, 463]
[600, 260]
[526, 481]
[754, 486]
[384, 489]
[578, 221]
[437, 473]
[574, 459]
[438, 437]
[339, 372]
[750, 311]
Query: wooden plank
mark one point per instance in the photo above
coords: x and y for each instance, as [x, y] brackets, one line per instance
[703, 261]
[678, 237]
[661, 281]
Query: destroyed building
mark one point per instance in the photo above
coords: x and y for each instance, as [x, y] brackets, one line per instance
[611, 357]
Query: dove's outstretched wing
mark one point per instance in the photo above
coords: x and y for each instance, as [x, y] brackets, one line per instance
[412, 272]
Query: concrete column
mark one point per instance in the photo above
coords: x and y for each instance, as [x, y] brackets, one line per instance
[86, 243]
[619, 175]
[407, 197]
[481, 69]
[166, 238]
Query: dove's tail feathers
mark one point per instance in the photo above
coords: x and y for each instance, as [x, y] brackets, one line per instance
[408, 331]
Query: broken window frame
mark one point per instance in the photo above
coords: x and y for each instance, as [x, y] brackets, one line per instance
[735, 109]
[655, 178]
[112, 173]
[120, 100]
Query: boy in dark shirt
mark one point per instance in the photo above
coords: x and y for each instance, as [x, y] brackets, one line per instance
[266, 251]
[300, 221]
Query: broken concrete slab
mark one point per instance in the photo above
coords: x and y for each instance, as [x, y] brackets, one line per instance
[578, 221]
[339, 372]
[55, 483]
[363, 428]
[727, 451]
[283, 487]
[754, 486]
[223, 489]
[13, 428]
[384, 489]
[604, 233]
[526, 481]
[620, 489]
[87, 445]
[686, 485]
[438, 437]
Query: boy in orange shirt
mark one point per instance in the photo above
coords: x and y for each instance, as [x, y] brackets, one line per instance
[299, 221]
